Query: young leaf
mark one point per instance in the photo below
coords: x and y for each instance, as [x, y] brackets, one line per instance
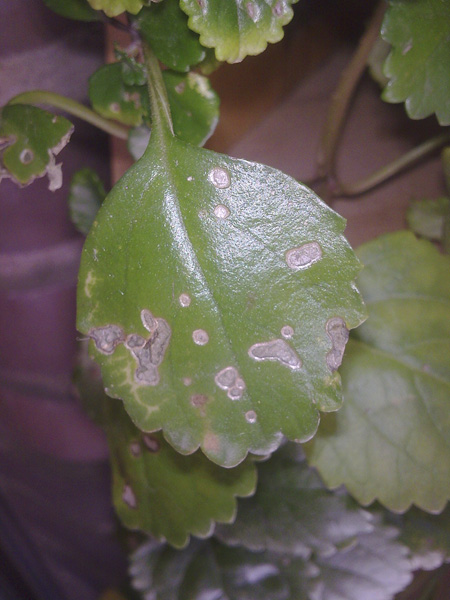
[236, 29]
[293, 512]
[30, 139]
[163, 493]
[374, 567]
[391, 439]
[112, 8]
[73, 9]
[86, 195]
[418, 63]
[164, 26]
[427, 217]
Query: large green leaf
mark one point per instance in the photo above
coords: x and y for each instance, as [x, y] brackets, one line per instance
[236, 29]
[164, 26]
[374, 567]
[112, 8]
[218, 295]
[418, 63]
[73, 9]
[30, 139]
[86, 194]
[293, 512]
[391, 440]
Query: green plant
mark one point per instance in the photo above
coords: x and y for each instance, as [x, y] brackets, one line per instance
[218, 296]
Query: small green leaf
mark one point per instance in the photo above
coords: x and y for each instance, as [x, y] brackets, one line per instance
[86, 195]
[391, 439]
[30, 139]
[236, 29]
[293, 512]
[112, 8]
[427, 217]
[111, 97]
[418, 63]
[163, 493]
[194, 106]
[73, 9]
[164, 26]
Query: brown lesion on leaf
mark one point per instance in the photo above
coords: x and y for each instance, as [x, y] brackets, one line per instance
[338, 333]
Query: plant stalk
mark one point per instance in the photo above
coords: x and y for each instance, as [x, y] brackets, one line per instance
[160, 108]
[73, 108]
[342, 97]
[400, 164]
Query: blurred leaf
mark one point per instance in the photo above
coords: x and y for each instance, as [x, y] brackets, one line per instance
[73, 9]
[293, 512]
[138, 139]
[30, 139]
[376, 60]
[426, 217]
[236, 29]
[418, 63]
[375, 567]
[164, 26]
[112, 98]
[112, 8]
[133, 72]
[86, 195]
[391, 439]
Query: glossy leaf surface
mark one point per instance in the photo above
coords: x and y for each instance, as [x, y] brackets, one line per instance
[164, 26]
[375, 567]
[80, 10]
[86, 195]
[390, 441]
[427, 217]
[236, 29]
[30, 139]
[417, 66]
[293, 512]
[112, 8]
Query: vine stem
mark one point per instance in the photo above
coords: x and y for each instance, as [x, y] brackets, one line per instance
[160, 109]
[395, 167]
[341, 99]
[72, 107]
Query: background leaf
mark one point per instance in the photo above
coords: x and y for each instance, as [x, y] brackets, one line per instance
[391, 440]
[427, 217]
[223, 272]
[86, 195]
[293, 512]
[418, 63]
[112, 8]
[30, 139]
[236, 29]
[164, 26]
[73, 9]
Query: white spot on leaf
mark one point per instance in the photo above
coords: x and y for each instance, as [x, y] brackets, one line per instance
[276, 350]
[338, 333]
[228, 379]
[221, 211]
[200, 337]
[107, 338]
[250, 416]
[26, 156]
[184, 300]
[287, 332]
[129, 497]
[220, 177]
[303, 256]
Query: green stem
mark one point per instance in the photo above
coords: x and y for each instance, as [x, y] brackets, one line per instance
[341, 99]
[73, 108]
[160, 109]
[395, 167]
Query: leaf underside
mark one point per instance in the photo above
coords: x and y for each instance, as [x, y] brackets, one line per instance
[417, 67]
[396, 382]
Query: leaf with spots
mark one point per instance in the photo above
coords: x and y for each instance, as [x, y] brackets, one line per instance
[218, 295]
[417, 67]
[86, 194]
[30, 138]
[112, 8]
[236, 29]
[375, 566]
[293, 512]
[391, 440]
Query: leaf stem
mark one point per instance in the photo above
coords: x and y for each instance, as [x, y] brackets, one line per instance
[160, 109]
[341, 99]
[73, 108]
[400, 164]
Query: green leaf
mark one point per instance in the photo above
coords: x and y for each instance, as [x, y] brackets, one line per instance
[112, 8]
[165, 494]
[293, 512]
[418, 63]
[164, 26]
[427, 217]
[194, 106]
[236, 29]
[112, 98]
[73, 9]
[86, 195]
[30, 139]
[375, 567]
[376, 60]
[391, 440]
